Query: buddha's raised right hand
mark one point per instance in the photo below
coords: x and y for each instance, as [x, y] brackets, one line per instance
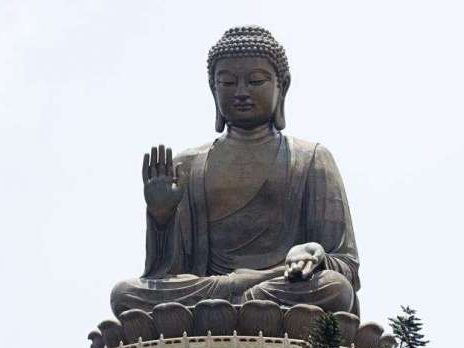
[161, 189]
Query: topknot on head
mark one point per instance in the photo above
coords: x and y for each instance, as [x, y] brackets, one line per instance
[249, 41]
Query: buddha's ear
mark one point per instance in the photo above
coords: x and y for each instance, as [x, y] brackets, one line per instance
[279, 116]
[285, 84]
[220, 121]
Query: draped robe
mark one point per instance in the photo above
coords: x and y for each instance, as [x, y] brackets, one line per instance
[192, 258]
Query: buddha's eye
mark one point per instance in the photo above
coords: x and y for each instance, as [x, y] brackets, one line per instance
[225, 79]
[226, 83]
[256, 82]
[258, 78]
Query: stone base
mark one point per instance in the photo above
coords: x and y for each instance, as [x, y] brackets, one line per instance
[219, 324]
[209, 341]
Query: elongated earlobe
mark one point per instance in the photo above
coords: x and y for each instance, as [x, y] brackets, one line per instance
[279, 116]
[220, 122]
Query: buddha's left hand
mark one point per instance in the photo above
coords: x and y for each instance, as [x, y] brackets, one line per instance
[302, 260]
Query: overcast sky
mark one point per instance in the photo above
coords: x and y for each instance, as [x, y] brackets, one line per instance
[86, 87]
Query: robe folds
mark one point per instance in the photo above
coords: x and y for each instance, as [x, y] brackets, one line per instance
[314, 209]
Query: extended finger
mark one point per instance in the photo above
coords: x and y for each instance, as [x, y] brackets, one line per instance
[161, 160]
[299, 266]
[293, 267]
[145, 174]
[154, 155]
[308, 268]
[288, 271]
[169, 169]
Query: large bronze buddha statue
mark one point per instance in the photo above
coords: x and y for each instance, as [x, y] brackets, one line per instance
[254, 214]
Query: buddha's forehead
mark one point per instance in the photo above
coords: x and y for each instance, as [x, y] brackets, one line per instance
[239, 65]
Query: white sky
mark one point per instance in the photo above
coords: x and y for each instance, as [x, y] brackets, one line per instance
[86, 87]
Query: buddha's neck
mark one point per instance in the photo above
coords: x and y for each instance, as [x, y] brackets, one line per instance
[257, 135]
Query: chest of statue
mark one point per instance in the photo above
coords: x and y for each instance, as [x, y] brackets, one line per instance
[236, 174]
[245, 188]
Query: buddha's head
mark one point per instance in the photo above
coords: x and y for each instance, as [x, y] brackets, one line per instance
[249, 77]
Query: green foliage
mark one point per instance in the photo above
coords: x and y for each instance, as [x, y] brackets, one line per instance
[407, 327]
[325, 333]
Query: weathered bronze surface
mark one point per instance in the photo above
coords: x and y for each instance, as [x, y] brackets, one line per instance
[253, 215]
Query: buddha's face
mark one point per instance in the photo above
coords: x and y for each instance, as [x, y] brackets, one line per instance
[246, 91]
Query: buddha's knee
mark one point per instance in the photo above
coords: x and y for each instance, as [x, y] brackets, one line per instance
[120, 296]
[145, 293]
[327, 289]
[133, 293]
[334, 291]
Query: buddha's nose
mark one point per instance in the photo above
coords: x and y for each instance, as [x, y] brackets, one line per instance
[241, 98]
[242, 94]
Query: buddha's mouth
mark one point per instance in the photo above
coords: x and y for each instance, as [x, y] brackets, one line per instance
[244, 107]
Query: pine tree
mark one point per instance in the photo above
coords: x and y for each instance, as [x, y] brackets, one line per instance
[325, 333]
[407, 327]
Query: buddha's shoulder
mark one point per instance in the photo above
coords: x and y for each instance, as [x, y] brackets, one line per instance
[188, 155]
[303, 146]
[309, 149]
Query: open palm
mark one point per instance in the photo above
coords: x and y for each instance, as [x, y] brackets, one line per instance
[161, 189]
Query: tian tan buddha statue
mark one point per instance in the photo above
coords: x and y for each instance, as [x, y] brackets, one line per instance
[255, 214]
